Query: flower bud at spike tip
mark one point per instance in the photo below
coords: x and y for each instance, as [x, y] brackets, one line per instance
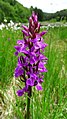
[31, 59]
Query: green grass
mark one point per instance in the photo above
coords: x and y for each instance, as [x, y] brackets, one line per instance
[50, 103]
[8, 40]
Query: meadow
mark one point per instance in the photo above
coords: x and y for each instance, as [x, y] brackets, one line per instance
[51, 103]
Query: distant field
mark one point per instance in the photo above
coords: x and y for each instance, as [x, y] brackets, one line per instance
[51, 103]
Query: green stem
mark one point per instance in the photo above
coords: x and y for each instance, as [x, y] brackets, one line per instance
[28, 103]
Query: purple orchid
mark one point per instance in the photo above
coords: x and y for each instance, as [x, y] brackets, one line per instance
[31, 60]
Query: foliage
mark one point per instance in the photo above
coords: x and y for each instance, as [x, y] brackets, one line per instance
[14, 11]
[11, 2]
[1, 16]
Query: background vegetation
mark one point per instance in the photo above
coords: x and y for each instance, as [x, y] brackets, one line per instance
[13, 10]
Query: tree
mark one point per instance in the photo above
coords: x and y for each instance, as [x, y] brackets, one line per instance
[40, 13]
[11, 2]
